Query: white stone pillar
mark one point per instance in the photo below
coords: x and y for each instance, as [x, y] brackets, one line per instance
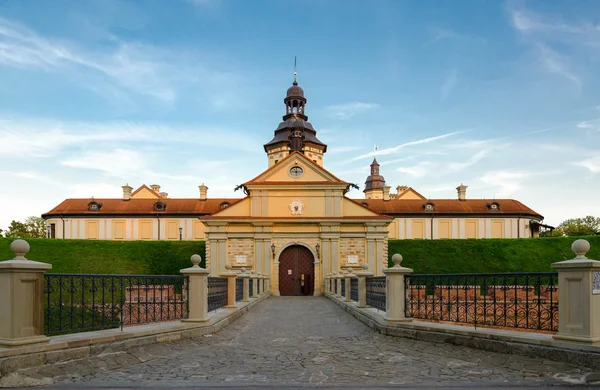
[579, 297]
[362, 285]
[254, 284]
[197, 291]
[349, 276]
[22, 298]
[246, 285]
[395, 293]
[231, 277]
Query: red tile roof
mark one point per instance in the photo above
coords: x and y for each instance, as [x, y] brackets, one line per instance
[448, 206]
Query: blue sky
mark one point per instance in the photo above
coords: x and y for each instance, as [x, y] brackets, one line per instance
[501, 96]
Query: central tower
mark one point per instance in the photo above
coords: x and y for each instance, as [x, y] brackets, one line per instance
[295, 132]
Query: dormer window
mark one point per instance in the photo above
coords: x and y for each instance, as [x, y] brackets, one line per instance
[429, 206]
[494, 206]
[160, 206]
[224, 205]
[94, 206]
[365, 204]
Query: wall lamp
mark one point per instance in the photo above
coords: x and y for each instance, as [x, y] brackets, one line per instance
[273, 250]
[318, 248]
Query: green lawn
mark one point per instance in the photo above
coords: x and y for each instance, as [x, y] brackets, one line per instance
[110, 257]
[487, 255]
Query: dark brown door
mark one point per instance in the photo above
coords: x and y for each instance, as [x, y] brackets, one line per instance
[296, 271]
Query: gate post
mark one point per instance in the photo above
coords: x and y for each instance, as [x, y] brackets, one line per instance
[22, 298]
[231, 276]
[254, 284]
[328, 283]
[579, 297]
[348, 281]
[246, 285]
[362, 285]
[338, 280]
[395, 292]
[197, 291]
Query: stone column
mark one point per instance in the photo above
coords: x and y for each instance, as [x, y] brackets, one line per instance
[22, 298]
[231, 277]
[349, 276]
[328, 283]
[395, 302]
[338, 280]
[254, 284]
[579, 297]
[264, 283]
[197, 291]
[246, 285]
[362, 285]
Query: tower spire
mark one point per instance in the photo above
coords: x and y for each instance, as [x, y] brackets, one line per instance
[295, 73]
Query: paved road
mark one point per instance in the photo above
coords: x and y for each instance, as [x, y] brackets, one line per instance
[306, 341]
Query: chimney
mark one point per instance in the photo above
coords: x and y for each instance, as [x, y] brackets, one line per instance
[462, 192]
[386, 192]
[164, 195]
[203, 190]
[155, 188]
[127, 191]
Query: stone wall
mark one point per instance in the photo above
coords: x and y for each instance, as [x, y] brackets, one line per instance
[351, 246]
[240, 247]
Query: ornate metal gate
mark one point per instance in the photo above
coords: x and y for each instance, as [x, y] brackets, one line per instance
[296, 271]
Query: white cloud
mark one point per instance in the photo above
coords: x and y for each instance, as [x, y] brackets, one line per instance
[505, 182]
[471, 161]
[441, 34]
[592, 124]
[119, 162]
[418, 170]
[449, 83]
[348, 110]
[383, 152]
[555, 63]
[592, 164]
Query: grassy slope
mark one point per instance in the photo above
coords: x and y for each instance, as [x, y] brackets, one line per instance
[489, 255]
[424, 256]
[110, 257]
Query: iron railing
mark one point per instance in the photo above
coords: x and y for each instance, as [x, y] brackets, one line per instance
[335, 286]
[217, 293]
[251, 287]
[354, 289]
[376, 295]
[81, 302]
[343, 287]
[513, 300]
[239, 289]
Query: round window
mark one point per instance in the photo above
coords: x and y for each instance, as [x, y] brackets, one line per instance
[296, 171]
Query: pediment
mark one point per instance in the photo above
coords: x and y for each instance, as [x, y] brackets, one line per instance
[144, 192]
[410, 193]
[295, 168]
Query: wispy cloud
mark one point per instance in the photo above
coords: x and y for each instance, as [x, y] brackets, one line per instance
[505, 182]
[418, 170]
[348, 110]
[590, 125]
[439, 34]
[471, 161]
[557, 64]
[592, 164]
[383, 152]
[449, 83]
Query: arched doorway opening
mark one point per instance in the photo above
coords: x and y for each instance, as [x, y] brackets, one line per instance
[296, 271]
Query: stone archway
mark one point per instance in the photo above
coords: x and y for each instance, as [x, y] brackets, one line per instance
[296, 271]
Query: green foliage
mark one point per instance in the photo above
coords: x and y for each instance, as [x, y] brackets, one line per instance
[487, 255]
[110, 257]
[587, 226]
[33, 227]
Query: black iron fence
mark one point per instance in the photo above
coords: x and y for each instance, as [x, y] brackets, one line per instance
[515, 300]
[376, 295]
[80, 303]
[217, 293]
[251, 286]
[239, 289]
[354, 289]
[343, 293]
[335, 285]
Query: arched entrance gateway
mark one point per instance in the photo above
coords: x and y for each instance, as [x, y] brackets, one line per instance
[296, 271]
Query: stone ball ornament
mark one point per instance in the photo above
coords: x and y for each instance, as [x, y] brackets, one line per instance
[364, 266]
[228, 267]
[397, 259]
[580, 248]
[20, 249]
[196, 260]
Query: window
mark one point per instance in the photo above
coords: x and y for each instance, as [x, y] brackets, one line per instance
[296, 171]
[94, 206]
[160, 206]
[52, 230]
[494, 206]
[429, 206]
[224, 205]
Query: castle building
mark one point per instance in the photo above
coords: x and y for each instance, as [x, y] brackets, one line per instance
[295, 222]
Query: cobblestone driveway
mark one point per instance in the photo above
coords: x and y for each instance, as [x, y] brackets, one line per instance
[306, 340]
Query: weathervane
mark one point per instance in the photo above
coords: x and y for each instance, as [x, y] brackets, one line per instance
[295, 73]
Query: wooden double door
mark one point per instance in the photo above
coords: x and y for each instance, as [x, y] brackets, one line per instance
[296, 271]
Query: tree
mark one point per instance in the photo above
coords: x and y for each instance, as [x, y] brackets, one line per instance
[587, 226]
[33, 227]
